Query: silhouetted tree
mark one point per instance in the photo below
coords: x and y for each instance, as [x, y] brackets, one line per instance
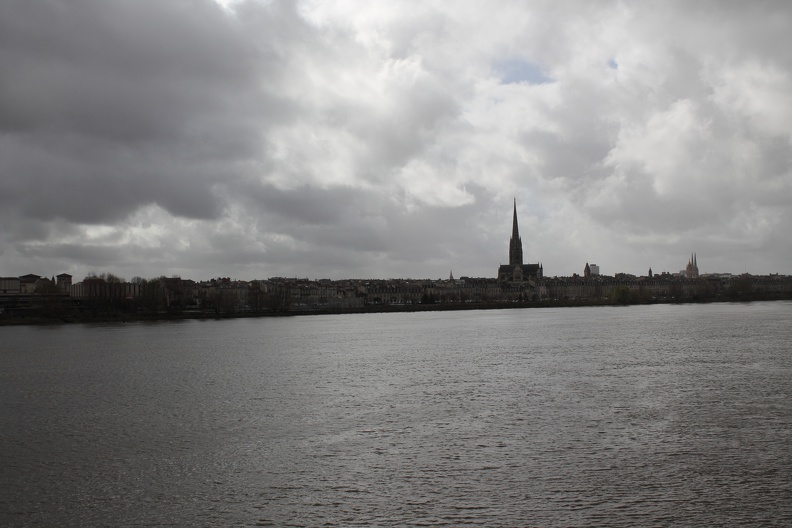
[151, 296]
[621, 295]
[741, 287]
[255, 296]
[48, 301]
[279, 299]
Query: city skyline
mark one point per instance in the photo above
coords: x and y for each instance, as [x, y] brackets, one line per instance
[347, 140]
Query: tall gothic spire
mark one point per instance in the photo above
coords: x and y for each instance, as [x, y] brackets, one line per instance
[515, 229]
[515, 244]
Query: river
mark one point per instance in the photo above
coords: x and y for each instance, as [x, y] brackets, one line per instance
[613, 416]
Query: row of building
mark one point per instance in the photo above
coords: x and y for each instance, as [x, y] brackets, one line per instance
[514, 282]
[223, 295]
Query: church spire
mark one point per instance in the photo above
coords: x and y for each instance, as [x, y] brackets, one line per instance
[515, 244]
[515, 229]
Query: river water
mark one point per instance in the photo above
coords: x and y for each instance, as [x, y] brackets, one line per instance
[639, 416]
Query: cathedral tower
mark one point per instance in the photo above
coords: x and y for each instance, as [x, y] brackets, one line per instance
[515, 243]
[691, 270]
[516, 270]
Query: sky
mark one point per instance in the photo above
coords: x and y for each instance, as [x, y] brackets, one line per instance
[357, 139]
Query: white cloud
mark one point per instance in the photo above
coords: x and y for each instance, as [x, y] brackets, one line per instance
[759, 95]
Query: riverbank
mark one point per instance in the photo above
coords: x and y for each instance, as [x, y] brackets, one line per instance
[33, 318]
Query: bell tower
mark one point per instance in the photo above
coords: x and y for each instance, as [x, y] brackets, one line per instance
[515, 243]
[516, 270]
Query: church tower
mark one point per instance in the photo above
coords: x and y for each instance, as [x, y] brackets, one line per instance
[691, 270]
[515, 243]
[516, 270]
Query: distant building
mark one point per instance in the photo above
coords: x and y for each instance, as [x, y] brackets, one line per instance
[591, 270]
[64, 283]
[691, 270]
[10, 285]
[27, 283]
[515, 270]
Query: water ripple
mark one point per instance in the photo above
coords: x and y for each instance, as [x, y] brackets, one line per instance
[660, 415]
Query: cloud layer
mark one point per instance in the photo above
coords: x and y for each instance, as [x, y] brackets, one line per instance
[354, 139]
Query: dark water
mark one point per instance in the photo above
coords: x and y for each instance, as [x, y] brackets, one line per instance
[641, 416]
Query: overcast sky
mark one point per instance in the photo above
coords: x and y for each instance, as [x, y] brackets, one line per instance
[359, 139]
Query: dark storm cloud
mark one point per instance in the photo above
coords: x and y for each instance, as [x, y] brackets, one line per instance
[120, 72]
[306, 205]
[116, 106]
[106, 106]
[342, 229]
[351, 218]
[96, 257]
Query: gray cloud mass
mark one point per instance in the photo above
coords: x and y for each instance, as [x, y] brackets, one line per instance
[351, 139]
